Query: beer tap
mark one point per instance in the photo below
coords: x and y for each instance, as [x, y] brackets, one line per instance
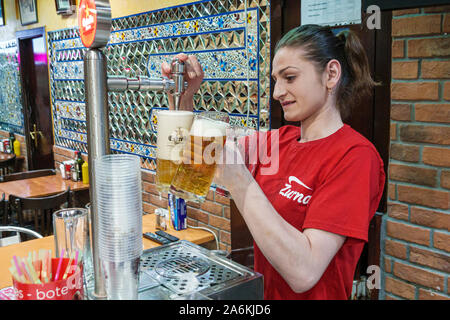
[175, 86]
[177, 72]
[95, 25]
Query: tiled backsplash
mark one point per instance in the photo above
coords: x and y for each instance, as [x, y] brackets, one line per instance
[231, 39]
[11, 116]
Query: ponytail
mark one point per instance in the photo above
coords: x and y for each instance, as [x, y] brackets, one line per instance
[358, 81]
[321, 46]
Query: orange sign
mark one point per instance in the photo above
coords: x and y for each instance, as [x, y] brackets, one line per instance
[87, 21]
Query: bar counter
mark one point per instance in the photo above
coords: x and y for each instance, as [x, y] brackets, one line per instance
[148, 225]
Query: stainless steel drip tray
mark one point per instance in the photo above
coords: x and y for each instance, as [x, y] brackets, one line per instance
[183, 270]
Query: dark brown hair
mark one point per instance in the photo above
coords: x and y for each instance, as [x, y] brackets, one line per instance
[321, 46]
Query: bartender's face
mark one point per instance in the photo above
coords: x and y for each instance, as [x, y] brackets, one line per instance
[300, 89]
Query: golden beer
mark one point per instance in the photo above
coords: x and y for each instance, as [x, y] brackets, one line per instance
[165, 171]
[173, 131]
[196, 172]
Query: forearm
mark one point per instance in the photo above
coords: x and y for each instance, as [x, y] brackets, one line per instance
[286, 248]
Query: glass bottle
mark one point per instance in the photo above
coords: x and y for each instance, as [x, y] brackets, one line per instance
[11, 142]
[79, 165]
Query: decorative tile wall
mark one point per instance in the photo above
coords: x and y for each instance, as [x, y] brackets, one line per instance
[231, 39]
[11, 116]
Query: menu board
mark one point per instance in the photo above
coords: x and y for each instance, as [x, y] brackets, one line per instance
[331, 12]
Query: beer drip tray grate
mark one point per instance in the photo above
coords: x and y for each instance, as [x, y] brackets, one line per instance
[184, 268]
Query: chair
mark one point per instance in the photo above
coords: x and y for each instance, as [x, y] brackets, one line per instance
[27, 175]
[40, 210]
[16, 238]
[8, 166]
[3, 210]
[4, 221]
[10, 234]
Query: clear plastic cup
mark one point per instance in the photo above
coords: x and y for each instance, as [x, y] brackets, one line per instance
[88, 270]
[122, 279]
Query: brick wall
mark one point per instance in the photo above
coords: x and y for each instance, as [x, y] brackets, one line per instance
[417, 227]
[213, 214]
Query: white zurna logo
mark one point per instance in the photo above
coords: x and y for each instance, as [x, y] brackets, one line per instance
[294, 193]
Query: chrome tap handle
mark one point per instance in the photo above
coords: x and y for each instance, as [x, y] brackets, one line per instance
[177, 72]
[162, 84]
[178, 69]
[117, 83]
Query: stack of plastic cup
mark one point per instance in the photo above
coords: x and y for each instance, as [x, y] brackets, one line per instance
[119, 197]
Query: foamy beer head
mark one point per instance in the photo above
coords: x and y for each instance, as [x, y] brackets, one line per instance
[205, 127]
[195, 174]
[205, 137]
[173, 131]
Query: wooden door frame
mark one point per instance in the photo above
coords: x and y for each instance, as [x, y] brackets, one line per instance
[381, 130]
[20, 36]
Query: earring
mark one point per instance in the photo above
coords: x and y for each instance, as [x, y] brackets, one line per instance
[329, 90]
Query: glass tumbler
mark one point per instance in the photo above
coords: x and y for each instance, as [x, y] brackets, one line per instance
[71, 233]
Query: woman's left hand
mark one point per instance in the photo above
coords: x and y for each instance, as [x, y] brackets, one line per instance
[193, 76]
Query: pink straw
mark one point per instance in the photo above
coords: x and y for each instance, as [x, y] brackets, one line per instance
[59, 265]
[76, 258]
[17, 266]
[25, 272]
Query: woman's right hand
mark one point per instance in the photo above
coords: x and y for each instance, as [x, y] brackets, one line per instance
[193, 76]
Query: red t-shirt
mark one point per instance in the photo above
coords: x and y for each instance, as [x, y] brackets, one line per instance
[332, 184]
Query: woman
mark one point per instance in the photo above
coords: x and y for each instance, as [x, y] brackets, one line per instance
[310, 218]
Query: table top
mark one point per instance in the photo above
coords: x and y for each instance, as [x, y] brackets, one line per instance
[40, 187]
[6, 156]
[148, 225]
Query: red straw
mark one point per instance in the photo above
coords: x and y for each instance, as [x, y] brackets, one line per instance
[59, 264]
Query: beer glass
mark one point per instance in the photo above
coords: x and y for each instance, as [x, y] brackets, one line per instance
[173, 130]
[194, 175]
